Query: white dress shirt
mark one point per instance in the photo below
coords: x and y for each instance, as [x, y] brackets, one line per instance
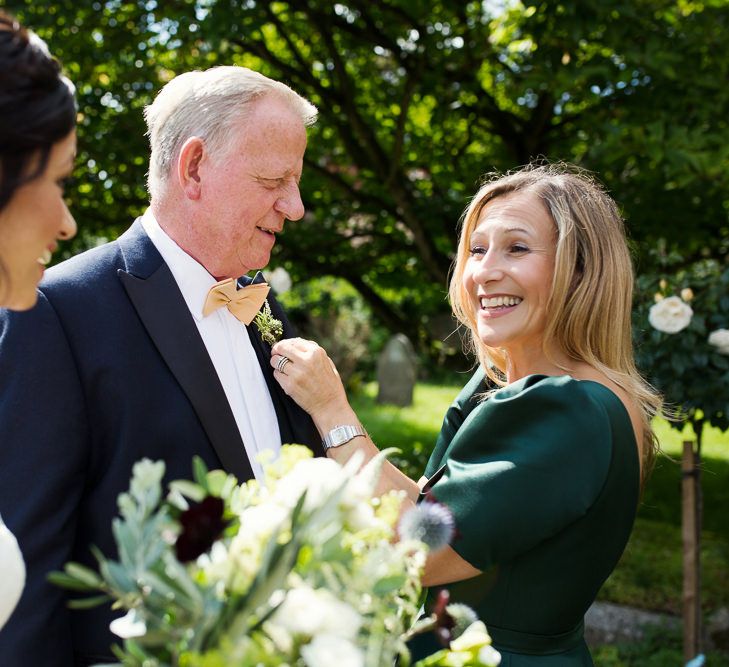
[229, 347]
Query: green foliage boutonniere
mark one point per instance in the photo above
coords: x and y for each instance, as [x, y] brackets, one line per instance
[269, 327]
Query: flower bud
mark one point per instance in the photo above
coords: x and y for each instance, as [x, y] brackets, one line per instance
[657, 297]
[663, 284]
[687, 294]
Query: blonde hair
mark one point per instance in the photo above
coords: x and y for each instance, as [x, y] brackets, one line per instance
[207, 104]
[589, 308]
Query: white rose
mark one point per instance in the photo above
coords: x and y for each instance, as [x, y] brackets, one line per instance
[720, 340]
[331, 651]
[670, 315]
[280, 280]
[12, 567]
[310, 612]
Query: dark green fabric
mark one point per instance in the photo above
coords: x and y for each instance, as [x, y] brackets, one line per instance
[543, 481]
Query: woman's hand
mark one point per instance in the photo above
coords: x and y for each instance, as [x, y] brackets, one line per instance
[311, 379]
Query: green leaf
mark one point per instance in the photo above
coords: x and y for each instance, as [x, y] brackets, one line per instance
[189, 489]
[66, 581]
[389, 584]
[217, 481]
[84, 574]
[200, 472]
[89, 603]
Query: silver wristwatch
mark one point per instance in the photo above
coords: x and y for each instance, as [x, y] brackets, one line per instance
[341, 434]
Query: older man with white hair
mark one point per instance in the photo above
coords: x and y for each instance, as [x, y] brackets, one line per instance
[148, 346]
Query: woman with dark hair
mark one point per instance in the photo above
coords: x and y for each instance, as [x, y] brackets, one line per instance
[37, 149]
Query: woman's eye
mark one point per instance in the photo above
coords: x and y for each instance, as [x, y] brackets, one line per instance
[518, 248]
[477, 251]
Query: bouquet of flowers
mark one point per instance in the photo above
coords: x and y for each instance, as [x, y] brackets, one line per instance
[299, 569]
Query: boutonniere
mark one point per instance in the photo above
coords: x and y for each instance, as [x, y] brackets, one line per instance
[268, 326]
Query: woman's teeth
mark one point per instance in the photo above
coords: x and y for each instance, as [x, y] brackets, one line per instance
[498, 301]
[45, 257]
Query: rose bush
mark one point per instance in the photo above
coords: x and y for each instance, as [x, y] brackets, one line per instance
[681, 318]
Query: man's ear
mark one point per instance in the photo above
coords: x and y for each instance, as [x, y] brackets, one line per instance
[191, 157]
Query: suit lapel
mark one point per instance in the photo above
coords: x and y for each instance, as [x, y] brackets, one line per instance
[162, 309]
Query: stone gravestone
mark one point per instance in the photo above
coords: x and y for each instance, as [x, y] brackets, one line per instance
[397, 371]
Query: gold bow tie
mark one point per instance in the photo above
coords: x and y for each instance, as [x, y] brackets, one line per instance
[243, 303]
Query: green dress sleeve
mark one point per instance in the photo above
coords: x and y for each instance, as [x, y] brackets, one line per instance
[522, 465]
[461, 407]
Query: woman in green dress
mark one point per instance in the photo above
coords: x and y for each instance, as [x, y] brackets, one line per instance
[543, 474]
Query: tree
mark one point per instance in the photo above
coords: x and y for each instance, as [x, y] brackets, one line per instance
[418, 100]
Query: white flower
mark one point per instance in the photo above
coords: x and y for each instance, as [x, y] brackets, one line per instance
[310, 612]
[146, 474]
[12, 567]
[488, 655]
[240, 564]
[280, 280]
[475, 635]
[720, 340]
[670, 315]
[319, 477]
[330, 651]
[128, 626]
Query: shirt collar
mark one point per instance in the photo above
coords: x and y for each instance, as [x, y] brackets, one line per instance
[191, 277]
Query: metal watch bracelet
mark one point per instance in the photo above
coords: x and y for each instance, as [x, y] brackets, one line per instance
[341, 435]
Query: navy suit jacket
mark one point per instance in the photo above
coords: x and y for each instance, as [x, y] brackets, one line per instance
[108, 368]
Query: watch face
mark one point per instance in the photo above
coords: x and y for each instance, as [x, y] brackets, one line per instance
[341, 435]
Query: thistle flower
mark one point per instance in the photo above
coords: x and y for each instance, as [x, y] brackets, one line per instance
[463, 616]
[430, 522]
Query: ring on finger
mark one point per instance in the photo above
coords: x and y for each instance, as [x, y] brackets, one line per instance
[282, 364]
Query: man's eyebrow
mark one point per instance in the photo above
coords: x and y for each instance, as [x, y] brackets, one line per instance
[285, 174]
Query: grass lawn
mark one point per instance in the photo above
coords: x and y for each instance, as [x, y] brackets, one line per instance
[649, 574]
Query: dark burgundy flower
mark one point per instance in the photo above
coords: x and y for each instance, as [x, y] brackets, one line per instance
[202, 524]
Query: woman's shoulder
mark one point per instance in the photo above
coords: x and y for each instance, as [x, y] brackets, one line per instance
[570, 392]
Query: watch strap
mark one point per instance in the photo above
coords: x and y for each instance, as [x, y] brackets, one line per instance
[341, 435]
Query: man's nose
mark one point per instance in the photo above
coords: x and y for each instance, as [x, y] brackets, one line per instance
[290, 205]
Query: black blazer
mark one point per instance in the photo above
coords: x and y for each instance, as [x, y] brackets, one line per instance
[108, 368]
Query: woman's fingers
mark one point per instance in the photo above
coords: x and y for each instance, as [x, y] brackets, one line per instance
[306, 373]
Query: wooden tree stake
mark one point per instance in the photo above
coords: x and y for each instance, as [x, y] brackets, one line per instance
[691, 555]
